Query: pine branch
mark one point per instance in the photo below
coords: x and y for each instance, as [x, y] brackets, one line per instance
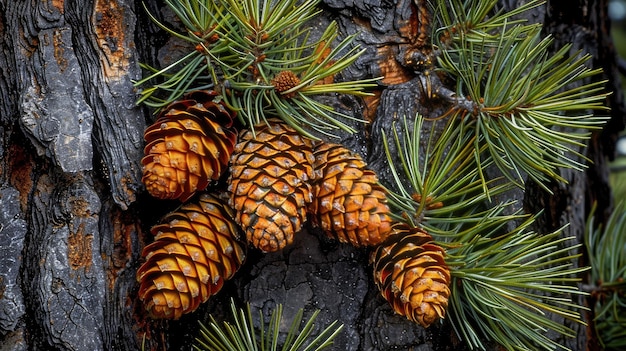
[194, 71]
[440, 179]
[505, 283]
[506, 286]
[260, 56]
[283, 70]
[533, 109]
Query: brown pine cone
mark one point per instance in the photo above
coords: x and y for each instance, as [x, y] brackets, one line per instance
[269, 184]
[349, 204]
[196, 249]
[189, 144]
[411, 273]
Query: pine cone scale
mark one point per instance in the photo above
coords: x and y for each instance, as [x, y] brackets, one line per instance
[193, 143]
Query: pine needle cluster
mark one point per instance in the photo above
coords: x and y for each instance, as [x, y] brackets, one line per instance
[505, 282]
[525, 110]
[263, 58]
[606, 248]
[532, 107]
[241, 335]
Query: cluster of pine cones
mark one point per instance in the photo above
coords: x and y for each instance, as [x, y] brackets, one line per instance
[277, 179]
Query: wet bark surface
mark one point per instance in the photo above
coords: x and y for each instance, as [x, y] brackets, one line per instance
[74, 217]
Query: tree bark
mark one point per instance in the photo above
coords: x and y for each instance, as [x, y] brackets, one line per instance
[74, 217]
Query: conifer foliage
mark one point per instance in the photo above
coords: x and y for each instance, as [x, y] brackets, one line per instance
[606, 247]
[522, 112]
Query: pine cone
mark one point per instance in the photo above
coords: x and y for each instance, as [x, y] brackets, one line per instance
[411, 273]
[349, 204]
[284, 81]
[269, 184]
[188, 145]
[196, 249]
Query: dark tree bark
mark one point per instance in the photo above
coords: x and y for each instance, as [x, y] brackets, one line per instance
[74, 217]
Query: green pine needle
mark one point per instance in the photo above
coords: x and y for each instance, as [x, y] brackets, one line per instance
[242, 335]
[532, 108]
[505, 282]
[194, 71]
[241, 46]
[475, 21]
[606, 247]
[282, 43]
[505, 287]
[439, 178]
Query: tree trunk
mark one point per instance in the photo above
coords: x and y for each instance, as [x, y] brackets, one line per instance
[74, 217]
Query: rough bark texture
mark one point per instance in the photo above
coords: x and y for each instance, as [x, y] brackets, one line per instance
[74, 217]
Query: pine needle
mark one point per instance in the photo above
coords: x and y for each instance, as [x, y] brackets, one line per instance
[533, 107]
[606, 247]
[241, 46]
[242, 335]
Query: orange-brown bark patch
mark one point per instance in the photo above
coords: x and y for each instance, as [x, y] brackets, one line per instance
[80, 207]
[409, 27]
[59, 5]
[28, 44]
[79, 248]
[128, 186]
[20, 170]
[125, 228]
[391, 70]
[371, 105]
[59, 50]
[111, 38]
[417, 27]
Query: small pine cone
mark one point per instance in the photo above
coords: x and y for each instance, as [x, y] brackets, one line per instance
[349, 204]
[411, 273]
[196, 249]
[188, 145]
[269, 184]
[284, 81]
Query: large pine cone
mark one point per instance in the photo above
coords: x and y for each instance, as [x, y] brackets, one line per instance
[196, 249]
[269, 184]
[188, 145]
[411, 273]
[349, 204]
